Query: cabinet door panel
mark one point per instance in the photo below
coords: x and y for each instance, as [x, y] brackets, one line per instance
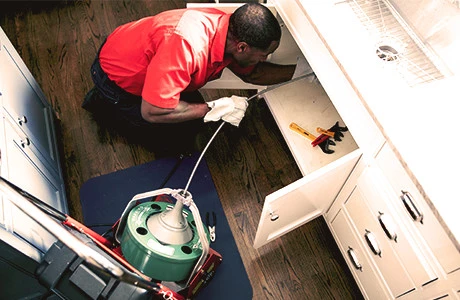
[24, 102]
[303, 200]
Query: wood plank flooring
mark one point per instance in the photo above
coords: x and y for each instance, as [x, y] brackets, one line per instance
[58, 41]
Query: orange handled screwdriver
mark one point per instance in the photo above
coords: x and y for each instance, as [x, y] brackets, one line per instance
[302, 131]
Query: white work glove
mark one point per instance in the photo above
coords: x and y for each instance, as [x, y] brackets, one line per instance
[235, 117]
[230, 109]
[303, 68]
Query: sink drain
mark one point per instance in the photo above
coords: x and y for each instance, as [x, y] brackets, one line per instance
[387, 53]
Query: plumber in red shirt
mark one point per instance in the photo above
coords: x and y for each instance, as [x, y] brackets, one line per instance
[149, 71]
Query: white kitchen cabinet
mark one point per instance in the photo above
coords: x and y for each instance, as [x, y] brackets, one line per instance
[377, 106]
[29, 152]
[394, 213]
[404, 264]
[24, 103]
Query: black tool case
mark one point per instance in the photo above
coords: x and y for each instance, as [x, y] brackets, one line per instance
[65, 274]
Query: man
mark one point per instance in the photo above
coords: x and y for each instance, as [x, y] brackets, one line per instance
[148, 72]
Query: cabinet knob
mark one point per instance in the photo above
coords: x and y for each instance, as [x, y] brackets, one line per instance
[24, 142]
[273, 216]
[411, 208]
[22, 120]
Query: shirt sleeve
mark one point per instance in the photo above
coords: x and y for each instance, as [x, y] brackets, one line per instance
[169, 72]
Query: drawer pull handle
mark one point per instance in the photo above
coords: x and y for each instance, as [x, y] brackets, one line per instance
[372, 242]
[354, 259]
[409, 204]
[25, 142]
[388, 226]
[22, 120]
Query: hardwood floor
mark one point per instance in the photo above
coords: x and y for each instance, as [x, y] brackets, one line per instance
[58, 41]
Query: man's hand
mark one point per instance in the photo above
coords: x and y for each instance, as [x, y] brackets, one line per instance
[230, 109]
[219, 108]
[235, 117]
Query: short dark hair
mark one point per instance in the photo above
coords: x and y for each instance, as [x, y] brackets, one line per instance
[255, 24]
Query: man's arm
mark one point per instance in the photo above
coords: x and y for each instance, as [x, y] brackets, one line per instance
[266, 73]
[184, 111]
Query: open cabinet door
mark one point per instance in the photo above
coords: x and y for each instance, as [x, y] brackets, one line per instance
[303, 200]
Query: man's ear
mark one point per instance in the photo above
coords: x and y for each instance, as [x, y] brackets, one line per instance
[242, 47]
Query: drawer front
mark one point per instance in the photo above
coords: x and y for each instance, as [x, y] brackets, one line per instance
[421, 218]
[360, 265]
[403, 242]
[444, 288]
[377, 245]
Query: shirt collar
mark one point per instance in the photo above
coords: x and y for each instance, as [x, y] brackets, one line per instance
[218, 44]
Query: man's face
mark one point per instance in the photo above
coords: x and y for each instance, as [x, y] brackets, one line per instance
[249, 56]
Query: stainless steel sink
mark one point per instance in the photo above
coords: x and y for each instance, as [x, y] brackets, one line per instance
[417, 38]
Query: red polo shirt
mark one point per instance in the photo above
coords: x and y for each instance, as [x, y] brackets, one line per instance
[160, 56]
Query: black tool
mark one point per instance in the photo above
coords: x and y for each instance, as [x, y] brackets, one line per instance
[324, 145]
[324, 141]
[337, 129]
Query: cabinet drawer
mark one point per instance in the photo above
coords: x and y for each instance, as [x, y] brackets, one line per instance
[376, 244]
[421, 218]
[28, 172]
[390, 229]
[360, 265]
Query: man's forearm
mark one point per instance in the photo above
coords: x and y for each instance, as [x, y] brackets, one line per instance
[184, 111]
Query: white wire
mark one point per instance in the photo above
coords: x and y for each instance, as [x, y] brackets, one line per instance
[201, 156]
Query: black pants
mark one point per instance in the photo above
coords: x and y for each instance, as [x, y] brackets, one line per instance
[122, 111]
[126, 105]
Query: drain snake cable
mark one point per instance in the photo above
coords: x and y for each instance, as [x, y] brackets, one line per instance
[268, 89]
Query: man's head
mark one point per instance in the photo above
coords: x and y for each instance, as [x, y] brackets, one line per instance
[254, 32]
